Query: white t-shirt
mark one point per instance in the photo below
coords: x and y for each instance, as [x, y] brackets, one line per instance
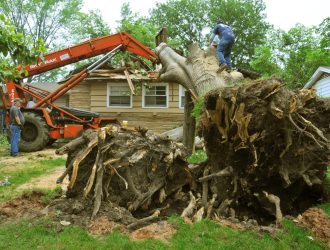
[30, 104]
[216, 40]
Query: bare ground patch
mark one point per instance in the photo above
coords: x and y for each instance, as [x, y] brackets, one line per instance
[46, 181]
[317, 222]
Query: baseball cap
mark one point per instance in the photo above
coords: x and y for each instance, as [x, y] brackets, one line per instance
[18, 100]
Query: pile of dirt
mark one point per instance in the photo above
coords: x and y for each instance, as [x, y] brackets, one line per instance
[78, 211]
[161, 230]
[29, 205]
[317, 222]
[101, 225]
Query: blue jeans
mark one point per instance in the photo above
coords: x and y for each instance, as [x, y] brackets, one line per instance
[15, 137]
[224, 50]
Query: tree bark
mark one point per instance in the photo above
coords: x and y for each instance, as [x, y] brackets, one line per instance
[189, 124]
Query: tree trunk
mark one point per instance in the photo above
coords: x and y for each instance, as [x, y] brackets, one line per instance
[189, 124]
[197, 73]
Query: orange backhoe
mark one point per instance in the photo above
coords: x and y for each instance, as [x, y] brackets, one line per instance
[42, 127]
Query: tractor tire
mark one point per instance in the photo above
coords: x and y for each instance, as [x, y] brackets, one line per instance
[35, 133]
[50, 142]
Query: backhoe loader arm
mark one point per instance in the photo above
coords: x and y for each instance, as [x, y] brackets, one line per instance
[78, 52]
[88, 49]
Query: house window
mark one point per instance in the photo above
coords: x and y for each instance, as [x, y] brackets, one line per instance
[181, 96]
[119, 96]
[155, 96]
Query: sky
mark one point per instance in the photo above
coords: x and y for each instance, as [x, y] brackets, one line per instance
[283, 14]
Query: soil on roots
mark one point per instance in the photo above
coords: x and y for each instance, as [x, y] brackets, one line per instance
[275, 142]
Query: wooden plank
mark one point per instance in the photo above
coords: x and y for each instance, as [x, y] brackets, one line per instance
[129, 81]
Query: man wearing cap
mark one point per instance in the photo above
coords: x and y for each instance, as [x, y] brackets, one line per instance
[16, 124]
[227, 40]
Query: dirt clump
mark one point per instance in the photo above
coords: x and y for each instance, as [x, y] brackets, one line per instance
[28, 205]
[317, 222]
[101, 225]
[161, 230]
[78, 212]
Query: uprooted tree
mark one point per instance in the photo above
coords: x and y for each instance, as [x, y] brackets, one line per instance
[267, 150]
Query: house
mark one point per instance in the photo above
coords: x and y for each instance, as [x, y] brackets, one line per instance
[155, 105]
[320, 80]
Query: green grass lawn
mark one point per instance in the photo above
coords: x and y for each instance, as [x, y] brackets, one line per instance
[46, 234]
[25, 174]
[43, 234]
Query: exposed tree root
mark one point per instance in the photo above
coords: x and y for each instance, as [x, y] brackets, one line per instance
[144, 220]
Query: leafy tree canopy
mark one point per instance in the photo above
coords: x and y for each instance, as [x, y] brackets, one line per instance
[137, 26]
[47, 19]
[15, 47]
[294, 55]
[89, 25]
[193, 21]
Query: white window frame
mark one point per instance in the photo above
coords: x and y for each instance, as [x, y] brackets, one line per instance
[151, 85]
[182, 91]
[109, 85]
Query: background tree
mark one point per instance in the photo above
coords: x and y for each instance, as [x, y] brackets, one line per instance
[294, 55]
[324, 30]
[193, 21]
[59, 23]
[139, 27]
[88, 25]
[247, 17]
[185, 19]
[47, 20]
[14, 46]
[264, 62]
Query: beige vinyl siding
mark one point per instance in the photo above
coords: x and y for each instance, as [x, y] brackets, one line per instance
[63, 101]
[155, 119]
[80, 96]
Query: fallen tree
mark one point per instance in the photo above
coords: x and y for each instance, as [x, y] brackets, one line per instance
[267, 146]
[267, 150]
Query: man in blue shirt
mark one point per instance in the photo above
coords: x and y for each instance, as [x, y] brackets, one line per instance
[16, 124]
[227, 40]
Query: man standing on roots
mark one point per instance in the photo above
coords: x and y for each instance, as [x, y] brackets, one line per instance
[16, 125]
[227, 40]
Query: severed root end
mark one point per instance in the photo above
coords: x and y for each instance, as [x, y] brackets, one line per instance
[276, 201]
[198, 216]
[144, 220]
[191, 206]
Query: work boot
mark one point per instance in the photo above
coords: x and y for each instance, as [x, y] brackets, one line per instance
[222, 67]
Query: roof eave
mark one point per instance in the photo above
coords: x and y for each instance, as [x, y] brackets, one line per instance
[320, 70]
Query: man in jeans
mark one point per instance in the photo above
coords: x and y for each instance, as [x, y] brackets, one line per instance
[16, 124]
[227, 40]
